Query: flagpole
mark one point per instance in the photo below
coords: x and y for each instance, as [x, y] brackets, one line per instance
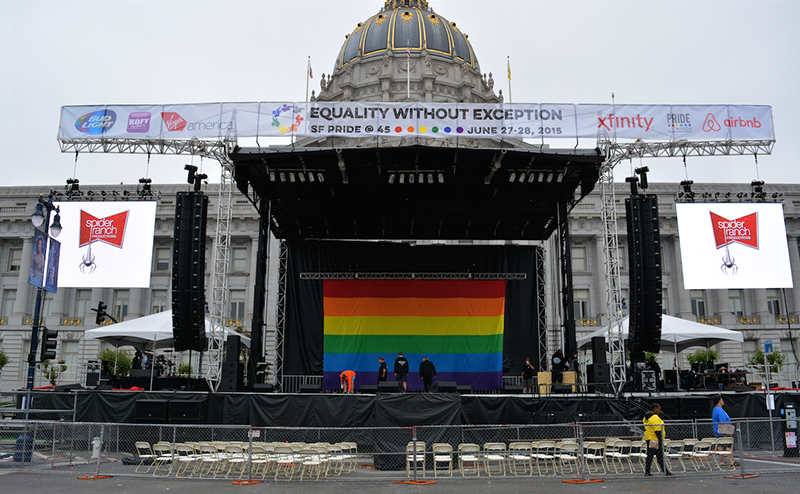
[408, 71]
[308, 75]
[509, 79]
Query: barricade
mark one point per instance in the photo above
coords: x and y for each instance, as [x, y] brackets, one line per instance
[602, 450]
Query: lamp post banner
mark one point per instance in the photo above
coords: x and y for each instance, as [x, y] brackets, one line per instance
[369, 119]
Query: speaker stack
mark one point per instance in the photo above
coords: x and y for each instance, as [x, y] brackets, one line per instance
[188, 271]
[232, 371]
[644, 259]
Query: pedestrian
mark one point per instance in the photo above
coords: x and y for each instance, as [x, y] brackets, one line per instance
[654, 437]
[720, 418]
[426, 371]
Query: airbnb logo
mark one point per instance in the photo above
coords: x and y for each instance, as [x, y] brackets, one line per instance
[173, 121]
[711, 124]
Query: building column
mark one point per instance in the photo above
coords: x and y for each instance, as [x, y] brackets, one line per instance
[722, 307]
[135, 303]
[761, 309]
[794, 262]
[22, 305]
[97, 297]
[684, 309]
[57, 310]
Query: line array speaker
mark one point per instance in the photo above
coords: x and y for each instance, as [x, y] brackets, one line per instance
[598, 350]
[188, 271]
[644, 268]
[232, 377]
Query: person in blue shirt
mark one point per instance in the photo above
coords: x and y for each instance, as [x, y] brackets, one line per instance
[720, 416]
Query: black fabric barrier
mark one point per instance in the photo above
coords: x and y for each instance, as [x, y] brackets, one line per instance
[403, 410]
[304, 305]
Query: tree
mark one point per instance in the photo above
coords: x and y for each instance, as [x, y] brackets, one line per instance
[185, 370]
[4, 360]
[756, 360]
[703, 355]
[123, 359]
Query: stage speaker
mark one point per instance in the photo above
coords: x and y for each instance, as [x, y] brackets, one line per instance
[368, 388]
[669, 406]
[232, 377]
[670, 380]
[187, 412]
[139, 373]
[92, 373]
[188, 271]
[232, 348]
[309, 388]
[464, 389]
[695, 407]
[151, 411]
[512, 389]
[263, 388]
[563, 389]
[598, 376]
[444, 387]
[389, 387]
[599, 350]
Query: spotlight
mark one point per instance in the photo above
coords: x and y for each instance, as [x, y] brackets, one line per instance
[320, 177]
[541, 176]
[283, 176]
[411, 178]
[271, 176]
[549, 177]
[402, 178]
[531, 177]
[522, 177]
[391, 178]
[291, 177]
[560, 177]
[430, 178]
[302, 177]
[311, 177]
[441, 177]
[146, 185]
[74, 188]
[421, 178]
[512, 177]
[740, 195]
[716, 195]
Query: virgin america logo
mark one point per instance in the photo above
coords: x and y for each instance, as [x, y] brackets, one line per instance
[743, 230]
[110, 229]
[173, 121]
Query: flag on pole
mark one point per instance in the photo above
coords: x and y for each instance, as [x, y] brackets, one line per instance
[408, 52]
[310, 72]
[509, 70]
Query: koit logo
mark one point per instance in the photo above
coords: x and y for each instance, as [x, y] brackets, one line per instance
[110, 229]
[97, 122]
[742, 230]
[173, 121]
[139, 122]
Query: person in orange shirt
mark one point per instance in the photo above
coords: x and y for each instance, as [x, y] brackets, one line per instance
[347, 379]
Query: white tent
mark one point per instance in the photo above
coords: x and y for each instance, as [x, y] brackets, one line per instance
[681, 333]
[148, 332]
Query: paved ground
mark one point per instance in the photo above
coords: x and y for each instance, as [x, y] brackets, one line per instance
[23, 482]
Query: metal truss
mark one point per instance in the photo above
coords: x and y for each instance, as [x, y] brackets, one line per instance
[218, 150]
[280, 316]
[219, 277]
[413, 276]
[641, 149]
[541, 308]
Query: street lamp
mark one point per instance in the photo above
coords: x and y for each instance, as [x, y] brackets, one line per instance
[41, 218]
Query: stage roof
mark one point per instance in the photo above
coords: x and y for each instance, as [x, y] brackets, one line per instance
[368, 192]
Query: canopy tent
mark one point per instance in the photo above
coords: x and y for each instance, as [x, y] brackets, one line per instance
[681, 333]
[149, 332]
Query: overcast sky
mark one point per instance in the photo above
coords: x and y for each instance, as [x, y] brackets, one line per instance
[152, 52]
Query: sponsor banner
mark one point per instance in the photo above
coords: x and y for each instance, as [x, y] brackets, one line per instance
[733, 246]
[350, 119]
[38, 258]
[106, 244]
[53, 256]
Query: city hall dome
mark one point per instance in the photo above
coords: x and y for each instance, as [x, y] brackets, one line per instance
[407, 25]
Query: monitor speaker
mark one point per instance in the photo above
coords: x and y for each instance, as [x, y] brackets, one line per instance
[512, 389]
[309, 388]
[670, 380]
[464, 389]
[562, 388]
[187, 412]
[263, 388]
[389, 387]
[151, 411]
[694, 407]
[445, 386]
[368, 388]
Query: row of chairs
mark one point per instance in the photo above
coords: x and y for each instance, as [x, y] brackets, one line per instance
[231, 459]
[620, 456]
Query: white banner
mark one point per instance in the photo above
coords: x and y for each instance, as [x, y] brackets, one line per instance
[733, 246]
[349, 119]
[106, 244]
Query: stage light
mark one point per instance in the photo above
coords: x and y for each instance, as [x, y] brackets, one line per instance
[531, 177]
[411, 178]
[522, 176]
[549, 177]
[402, 178]
[441, 177]
[74, 188]
[512, 177]
[291, 177]
[320, 177]
[311, 177]
[430, 178]
[283, 176]
[391, 178]
[716, 195]
[560, 176]
[740, 195]
[302, 177]
[271, 176]
[421, 178]
[541, 176]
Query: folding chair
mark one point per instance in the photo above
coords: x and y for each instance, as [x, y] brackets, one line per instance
[494, 454]
[595, 455]
[544, 454]
[442, 455]
[415, 456]
[673, 452]
[701, 456]
[146, 457]
[520, 461]
[469, 458]
[567, 455]
[163, 452]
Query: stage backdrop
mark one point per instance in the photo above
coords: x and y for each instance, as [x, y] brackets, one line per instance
[306, 343]
[457, 324]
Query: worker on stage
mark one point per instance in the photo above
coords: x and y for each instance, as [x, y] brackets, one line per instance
[347, 379]
[401, 370]
[426, 371]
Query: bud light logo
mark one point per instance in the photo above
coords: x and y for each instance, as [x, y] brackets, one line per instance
[96, 123]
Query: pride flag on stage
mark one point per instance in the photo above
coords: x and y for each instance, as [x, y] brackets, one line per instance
[457, 324]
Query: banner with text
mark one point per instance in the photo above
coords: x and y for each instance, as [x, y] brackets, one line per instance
[365, 119]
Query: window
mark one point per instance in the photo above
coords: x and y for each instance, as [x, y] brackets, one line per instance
[239, 259]
[121, 304]
[69, 354]
[9, 297]
[664, 302]
[237, 304]
[736, 301]
[580, 300]
[83, 302]
[14, 259]
[774, 301]
[159, 301]
[162, 259]
[579, 258]
[698, 298]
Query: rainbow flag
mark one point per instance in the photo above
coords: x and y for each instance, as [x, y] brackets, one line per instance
[457, 324]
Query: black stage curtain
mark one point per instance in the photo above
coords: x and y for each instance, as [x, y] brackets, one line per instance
[303, 335]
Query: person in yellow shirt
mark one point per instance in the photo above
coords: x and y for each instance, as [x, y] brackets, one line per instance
[653, 435]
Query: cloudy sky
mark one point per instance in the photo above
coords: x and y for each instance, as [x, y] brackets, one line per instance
[152, 52]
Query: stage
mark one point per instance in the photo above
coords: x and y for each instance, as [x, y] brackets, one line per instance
[389, 409]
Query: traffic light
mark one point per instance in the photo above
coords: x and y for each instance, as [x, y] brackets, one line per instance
[101, 313]
[49, 342]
